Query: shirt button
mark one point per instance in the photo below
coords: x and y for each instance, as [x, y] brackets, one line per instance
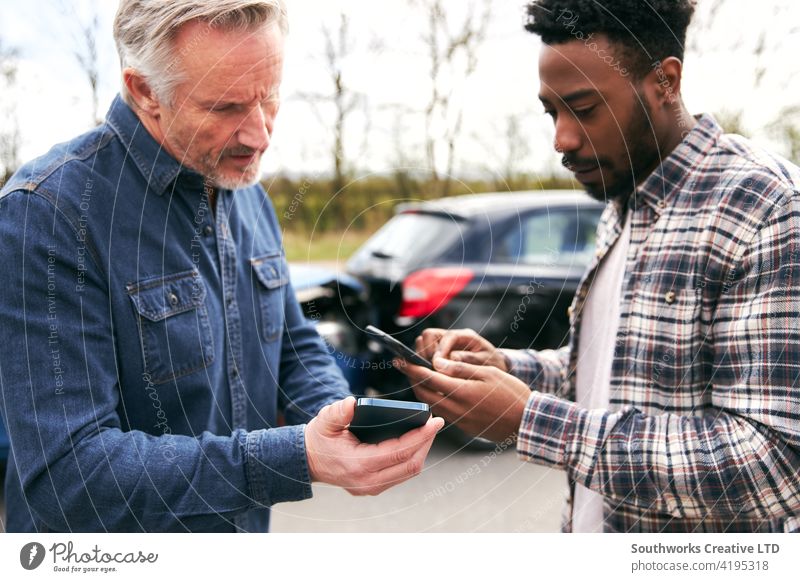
[670, 297]
[208, 230]
[173, 299]
[662, 204]
[570, 311]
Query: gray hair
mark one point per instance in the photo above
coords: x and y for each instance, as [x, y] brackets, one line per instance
[144, 31]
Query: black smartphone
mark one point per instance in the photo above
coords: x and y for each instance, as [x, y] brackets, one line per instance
[378, 419]
[398, 348]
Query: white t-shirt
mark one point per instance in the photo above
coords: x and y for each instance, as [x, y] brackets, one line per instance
[598, 334]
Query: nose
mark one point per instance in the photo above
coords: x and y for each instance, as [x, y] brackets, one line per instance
[569, 136]
[256, 128]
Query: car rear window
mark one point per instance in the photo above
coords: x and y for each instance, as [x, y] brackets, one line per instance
[411, 238]
[555, 237]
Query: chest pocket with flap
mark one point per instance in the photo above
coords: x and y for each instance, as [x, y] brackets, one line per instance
[173, 323]
[273, 276]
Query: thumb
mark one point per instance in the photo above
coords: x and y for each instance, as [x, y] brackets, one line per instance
[338, 415]
[461, 370]
[477, 358]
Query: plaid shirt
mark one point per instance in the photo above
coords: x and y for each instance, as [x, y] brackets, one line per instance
[703, 428]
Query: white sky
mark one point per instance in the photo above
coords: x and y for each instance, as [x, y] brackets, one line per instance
[53, 97]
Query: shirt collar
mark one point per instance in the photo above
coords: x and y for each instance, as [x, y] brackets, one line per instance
[156, 165]
[670, 175]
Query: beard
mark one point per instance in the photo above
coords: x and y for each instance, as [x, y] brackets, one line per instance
[210, 168]
[207, 163]
[643, 157]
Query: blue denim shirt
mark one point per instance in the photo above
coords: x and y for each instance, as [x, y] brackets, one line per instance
[149, 345]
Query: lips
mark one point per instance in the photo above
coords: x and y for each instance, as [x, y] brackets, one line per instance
[245, 158]
[581, 167]
[587, 174]
[584, 169]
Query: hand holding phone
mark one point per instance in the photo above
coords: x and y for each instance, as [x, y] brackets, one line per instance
[335, 455]
[378, 419]
[398, 348]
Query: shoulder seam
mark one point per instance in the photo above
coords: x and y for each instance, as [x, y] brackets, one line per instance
[91, 251]
[79, 155]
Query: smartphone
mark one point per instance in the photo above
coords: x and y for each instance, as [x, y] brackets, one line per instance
[398, 348]
[378, 419]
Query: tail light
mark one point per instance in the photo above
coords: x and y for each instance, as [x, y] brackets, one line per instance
[428, 290]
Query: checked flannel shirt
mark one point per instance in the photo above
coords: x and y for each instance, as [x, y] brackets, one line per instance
[703, 428]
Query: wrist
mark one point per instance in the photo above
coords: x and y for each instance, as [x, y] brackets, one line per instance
[310, 457]
[503, 362]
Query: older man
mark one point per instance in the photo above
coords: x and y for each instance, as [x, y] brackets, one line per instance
[676, 405]
[151, 333]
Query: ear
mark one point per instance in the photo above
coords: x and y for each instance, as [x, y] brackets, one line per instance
[140, 91]
[665, 81]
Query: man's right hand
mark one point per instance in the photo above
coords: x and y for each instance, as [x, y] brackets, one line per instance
[337, 457]
[460, 345]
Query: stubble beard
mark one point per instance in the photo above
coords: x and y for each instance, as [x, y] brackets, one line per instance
[207, 164]
[211, 170]
[643, 158]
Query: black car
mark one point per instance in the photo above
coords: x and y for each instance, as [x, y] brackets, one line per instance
[506, 265]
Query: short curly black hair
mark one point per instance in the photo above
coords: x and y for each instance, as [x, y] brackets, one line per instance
[647, 31]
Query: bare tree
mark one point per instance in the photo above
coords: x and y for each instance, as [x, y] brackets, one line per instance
[10, 137]
[87, 59]
[452, 51]
[760, 42]
[700, 38]
[756, 49]
[339, 45]
[515, 148]
[786, 128]
[85, 31]
[406, 165]
[732, 121]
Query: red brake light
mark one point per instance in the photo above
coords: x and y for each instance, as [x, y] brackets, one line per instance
[428, 290]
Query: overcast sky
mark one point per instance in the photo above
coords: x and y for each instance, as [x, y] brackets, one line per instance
[54, 104]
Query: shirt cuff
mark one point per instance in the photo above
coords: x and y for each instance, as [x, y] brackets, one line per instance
[522, 365]
[276, 466]
[547, 429]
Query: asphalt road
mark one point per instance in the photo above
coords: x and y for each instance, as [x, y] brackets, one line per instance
[458, 491]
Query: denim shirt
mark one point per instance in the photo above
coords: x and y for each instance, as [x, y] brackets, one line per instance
[149, 345]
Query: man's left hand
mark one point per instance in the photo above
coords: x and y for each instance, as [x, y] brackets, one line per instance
[481, 400]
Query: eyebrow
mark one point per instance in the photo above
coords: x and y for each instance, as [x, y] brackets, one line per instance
[574, 96]
[218, 103]
[272, 94]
